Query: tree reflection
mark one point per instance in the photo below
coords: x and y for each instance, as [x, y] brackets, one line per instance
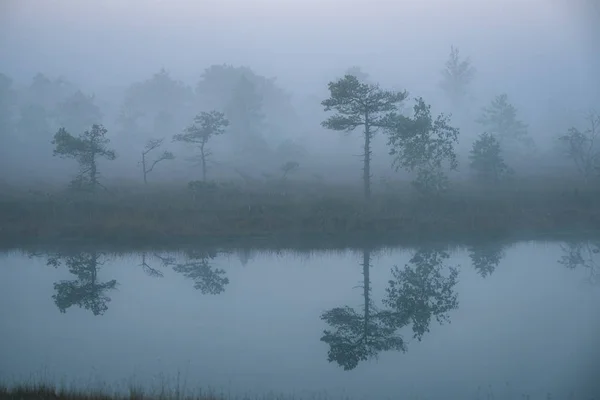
[150, 270]
[85, 291]
[420, 291]
[582, 255]
[486, 258]
[416, 294]
[207, 279]
[359, 336]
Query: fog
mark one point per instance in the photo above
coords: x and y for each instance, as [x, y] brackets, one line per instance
[542, 54]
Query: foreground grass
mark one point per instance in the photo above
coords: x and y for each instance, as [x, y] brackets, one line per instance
[49, 392]
[43, 391]
[176, 213]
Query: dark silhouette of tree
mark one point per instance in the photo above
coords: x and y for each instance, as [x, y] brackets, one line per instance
[154, 105]
[456, 76]
[582, 255]
[500, 120]
[288, 167]
[358, 336]
[486, 159]
[148, 166]
[198, 267]
[86, 148]
[424, 145]
[486, 257]
[582, 147]
[359, 104]
[8, 99]
[85, 292]
[217, 87]
[33, 122]
[357, 72]
[205, 126]
[415, 295]
[78, 112]
[420, 291]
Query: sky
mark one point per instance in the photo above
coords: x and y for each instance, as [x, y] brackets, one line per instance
[298, 41]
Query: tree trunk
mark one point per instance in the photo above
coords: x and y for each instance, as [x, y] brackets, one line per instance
[367, 159]
[366, 289]
[144, 168]
[93, 172]
[203, 158]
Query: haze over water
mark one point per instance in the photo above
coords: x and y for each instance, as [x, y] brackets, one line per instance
[524, 323]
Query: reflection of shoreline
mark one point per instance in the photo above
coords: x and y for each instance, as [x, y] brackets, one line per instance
[291, 242]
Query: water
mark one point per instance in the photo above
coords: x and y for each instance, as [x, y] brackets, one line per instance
[516, 320]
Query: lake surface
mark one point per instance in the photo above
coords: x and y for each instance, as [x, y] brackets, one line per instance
[522, 319]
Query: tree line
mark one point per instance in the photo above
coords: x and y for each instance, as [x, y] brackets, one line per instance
[419, 142]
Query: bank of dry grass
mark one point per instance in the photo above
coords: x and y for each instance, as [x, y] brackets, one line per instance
[171, 213]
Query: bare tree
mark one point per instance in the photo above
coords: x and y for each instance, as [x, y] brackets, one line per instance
[147, 167]
[582, 146]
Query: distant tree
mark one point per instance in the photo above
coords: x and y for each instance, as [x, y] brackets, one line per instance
[361, 104]
[86, 148]
[582, 147]
[357, 72]
[86, 291]
[245, 114]
[486, 159]
[216, 88]
[288, 167]
[7, 102]
[424, 145]
[456, 76]
[78, 112]
[205, 126]
[33, 122]
[154, 104]
[151, 145]
[47, 92]
[500, 120]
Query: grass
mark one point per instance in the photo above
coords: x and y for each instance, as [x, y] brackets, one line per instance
[176, 213]
[51, 392]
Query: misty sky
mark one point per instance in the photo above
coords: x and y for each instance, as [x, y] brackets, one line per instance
[303, 43]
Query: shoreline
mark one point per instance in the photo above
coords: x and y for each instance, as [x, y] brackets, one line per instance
[297, 216]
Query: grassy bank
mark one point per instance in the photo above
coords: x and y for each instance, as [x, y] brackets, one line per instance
[178, 213]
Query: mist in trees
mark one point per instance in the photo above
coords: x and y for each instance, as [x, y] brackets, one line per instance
[457, 75]
[297, 108]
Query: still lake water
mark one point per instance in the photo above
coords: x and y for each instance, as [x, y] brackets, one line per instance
[516, 321]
